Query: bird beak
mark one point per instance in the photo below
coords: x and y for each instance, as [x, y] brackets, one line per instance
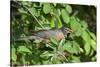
[70, 30]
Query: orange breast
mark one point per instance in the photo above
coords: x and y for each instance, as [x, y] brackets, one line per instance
[59, 36]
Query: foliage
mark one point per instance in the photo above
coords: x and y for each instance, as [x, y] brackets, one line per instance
[26, 16]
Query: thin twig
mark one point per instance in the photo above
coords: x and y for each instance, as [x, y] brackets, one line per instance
[30, 13]
[62, 56]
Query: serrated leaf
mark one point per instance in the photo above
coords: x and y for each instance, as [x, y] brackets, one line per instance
[65, 16]
[46, 8]
[23, 49]
[13, 54]
[69, 9]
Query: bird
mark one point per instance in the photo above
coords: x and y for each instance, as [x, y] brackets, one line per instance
[45, 35]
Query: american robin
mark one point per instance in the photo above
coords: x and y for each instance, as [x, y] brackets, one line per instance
[58, 34]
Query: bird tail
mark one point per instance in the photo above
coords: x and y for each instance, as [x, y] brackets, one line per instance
[28, 38]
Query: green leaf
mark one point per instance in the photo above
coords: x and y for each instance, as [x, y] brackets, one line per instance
[65, 16]
[93, 58]
[62, 42]
[54, 4]
[76, 26]
[23, 49]
[13, 56]
[87, 41]
[59, 12]
[22, 11]
[67, 46]
[54, 41]
[33, 11]
[76, 47]
[46, 53]
[72, 47]
[92, 52]
[84, 24]
[87, 48]
[92, 36]
[46, 8]
[52, 23]
[69, 9]
[93, 44]
[59, 22]
[28, 4]
[75, 59]
[86, 37]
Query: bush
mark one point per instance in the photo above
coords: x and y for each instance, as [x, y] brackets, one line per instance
[79, 46]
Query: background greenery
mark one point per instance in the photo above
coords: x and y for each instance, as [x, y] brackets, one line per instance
[80, 46]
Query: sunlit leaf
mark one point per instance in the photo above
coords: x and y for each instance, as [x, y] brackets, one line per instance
[33, 11]
[87, 39]
[71, 47]
[68, 46]
[93, 44]
[52, 23]
[59, 22]
[92, 36]
[92, 52]
[86, 36]
[62, 42]
[54, 41]
[13, 54]
[23, 49]
[87, 48]
[22, 11]
[76, 26]
[46, 53]
[46, 8]
[65, 16]
[75, 59]
[84, 24]
[93, 58]
[69, 9]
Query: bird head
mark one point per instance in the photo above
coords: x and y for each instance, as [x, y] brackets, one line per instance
[66, 31]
